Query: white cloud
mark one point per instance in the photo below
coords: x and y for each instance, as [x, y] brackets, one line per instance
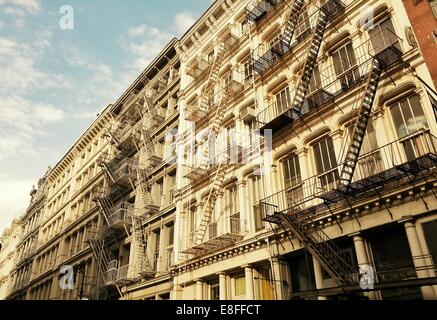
[146, 48]
[18, 64]
[21, 7]
[183, 21]
[137, 31]
[14, 12]
[14, 199]
[22, 123]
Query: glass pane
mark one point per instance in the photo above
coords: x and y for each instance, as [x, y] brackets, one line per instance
[416, 107]
[331, 151]
[351, 54]
[240, 286]
[337, 64]
[325, 156]
[318, 158]
[398, 121]
[408, 117]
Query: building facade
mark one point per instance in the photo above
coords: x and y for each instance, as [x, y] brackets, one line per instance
[8, 242]
[27, 242]
[423, 17]
[332, 88]
[278, 150]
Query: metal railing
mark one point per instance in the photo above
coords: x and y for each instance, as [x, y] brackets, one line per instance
[121, 213]
[227, 225]
[309, 192]
[384, 45]
[259, 8]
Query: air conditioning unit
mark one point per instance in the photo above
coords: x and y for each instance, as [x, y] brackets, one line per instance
[247, 113]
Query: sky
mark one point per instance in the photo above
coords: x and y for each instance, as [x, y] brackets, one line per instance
[55, 80]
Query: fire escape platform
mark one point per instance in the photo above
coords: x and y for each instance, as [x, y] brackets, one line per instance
[220, 242]
[195, 173]
[365, 188]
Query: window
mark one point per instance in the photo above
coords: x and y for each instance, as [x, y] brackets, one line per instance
[430, 231]
[157, 244]
[215, 291]
[258, 193]
[265, 287]
[316, 81]
[283, 100]
[408, 116]
[231, 205]
[326, 163]
[239, 286]
[383, 35]
[303, 29]
[372, 163]
[192, 222]
[211, 57]
[248, 70]
[244, 27]
[345, 66]
[170, 242]
[292, 175]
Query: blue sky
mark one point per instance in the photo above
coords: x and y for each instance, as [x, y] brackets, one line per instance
[53, 82]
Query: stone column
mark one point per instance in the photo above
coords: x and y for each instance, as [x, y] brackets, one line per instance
[364, 265]
[242, 201]
[277, 277]
[337, 140]
[248, 273]
[222, 285]
[418, 259]
[177, 291]
[199, 290]
[318, 276]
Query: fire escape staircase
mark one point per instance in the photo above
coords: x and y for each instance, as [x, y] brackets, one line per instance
[302, 222]
[359, 131]
[288, 33]
[200, 112]
[142, 263]
[217, 181]
[326, 14]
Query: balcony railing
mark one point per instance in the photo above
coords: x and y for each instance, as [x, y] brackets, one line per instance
[415, 153]
[198, 67]
[384, 45]
[224, 232]
[122, 171]
[258, 9]
[121, 214]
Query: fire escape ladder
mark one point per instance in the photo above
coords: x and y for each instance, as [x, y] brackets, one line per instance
[105, 206]
[143, 181]
[315, 240]
[101, 255]
[219, 174]
[288, 33]
[359, 130]
[310, 63]
[212, 79]
[142, 264]
[210, 201]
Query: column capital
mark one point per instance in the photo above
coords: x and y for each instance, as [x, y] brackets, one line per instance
[248, 266]
[302, 152]
[357, 234]
[242, 183]
[221, 273]
[407, 220]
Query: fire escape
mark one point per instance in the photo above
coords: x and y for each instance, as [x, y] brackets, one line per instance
[205, 165]
[122, 176]
[299, 214]
[284, 45]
